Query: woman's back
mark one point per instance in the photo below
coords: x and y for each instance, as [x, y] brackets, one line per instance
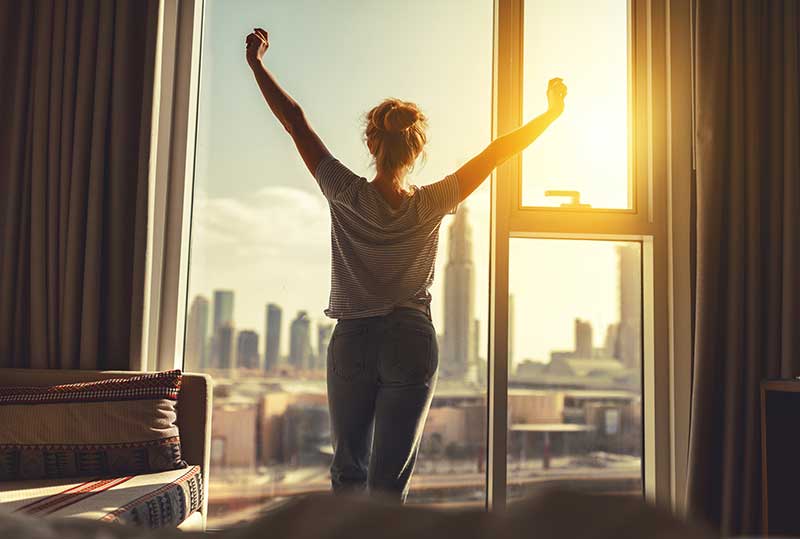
[381, 256]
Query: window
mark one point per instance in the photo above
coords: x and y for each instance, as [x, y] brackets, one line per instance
[571, 398]
[260, 255]
[558, 376]
[586, 153]
[578, 360]
[575, 395]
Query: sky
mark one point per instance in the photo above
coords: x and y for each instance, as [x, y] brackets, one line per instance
[260, 226]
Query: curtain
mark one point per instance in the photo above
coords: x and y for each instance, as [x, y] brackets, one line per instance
[76, 99]
[748, 246]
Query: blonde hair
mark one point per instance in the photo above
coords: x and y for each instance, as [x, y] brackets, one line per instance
[395, 134]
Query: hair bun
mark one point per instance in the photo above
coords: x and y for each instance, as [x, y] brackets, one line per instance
[400, 117]
[395, 134]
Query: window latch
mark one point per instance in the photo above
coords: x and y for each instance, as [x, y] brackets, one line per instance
[574, 196]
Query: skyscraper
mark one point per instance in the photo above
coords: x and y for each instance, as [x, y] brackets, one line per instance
[629, 336]
[222, 349]
[459, 301]
[273, 337]
[223, 308]
[247, 350]
[223, 317]
[474, 374]
[300, 341]
[584, 343]
[324, 332]
[196, 335]
[610, 343]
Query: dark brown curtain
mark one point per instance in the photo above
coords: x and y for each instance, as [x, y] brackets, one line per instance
[748, 245]
[75, 97]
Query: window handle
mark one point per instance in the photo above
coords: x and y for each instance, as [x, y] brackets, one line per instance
[574, 196]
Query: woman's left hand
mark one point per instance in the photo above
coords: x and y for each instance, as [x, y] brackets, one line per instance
[257, 43]
[556, 92]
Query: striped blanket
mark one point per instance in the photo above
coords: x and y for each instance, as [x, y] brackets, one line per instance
[156, 500]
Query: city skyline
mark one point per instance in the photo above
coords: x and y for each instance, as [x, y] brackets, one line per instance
[261, 230]
[460, 357]
[460, 337]
[259, 222]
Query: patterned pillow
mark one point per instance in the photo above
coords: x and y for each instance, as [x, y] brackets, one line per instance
[115, 427]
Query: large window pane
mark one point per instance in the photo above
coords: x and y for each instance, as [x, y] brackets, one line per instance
[575, 399]
[585, 42]
[259, 272]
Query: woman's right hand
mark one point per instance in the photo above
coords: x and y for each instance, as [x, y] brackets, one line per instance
[556, 92]
[257, 43]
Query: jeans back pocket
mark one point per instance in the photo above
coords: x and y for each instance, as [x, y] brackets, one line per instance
[347, 352]
[409, 355]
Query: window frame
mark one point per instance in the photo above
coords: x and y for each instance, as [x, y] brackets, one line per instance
[659, 194]
[660, 219]
[171, 182]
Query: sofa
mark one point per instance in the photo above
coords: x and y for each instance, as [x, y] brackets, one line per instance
[167, 498]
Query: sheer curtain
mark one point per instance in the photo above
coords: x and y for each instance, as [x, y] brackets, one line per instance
[748, 245]
[76, 98]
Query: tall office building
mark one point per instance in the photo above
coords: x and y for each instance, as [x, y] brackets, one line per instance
[247, 350]
[629, 336]
[610, 343]
[223, 308]
[223, 317]
[300, 341]
[474, 374]
[272, 346]
[324, 332]
[222, 348]
[459, 301]
[584, 347]
[196, 335]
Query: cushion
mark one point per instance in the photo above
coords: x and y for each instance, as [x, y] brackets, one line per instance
[156, 500]
[107, 428]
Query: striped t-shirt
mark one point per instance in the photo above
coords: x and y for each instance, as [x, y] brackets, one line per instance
[381, 256]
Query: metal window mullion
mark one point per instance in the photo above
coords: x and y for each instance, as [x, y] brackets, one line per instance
[589, 223]
[507, 115]
[158, 183]
[680, 166]
[177, 79]
[176, 275]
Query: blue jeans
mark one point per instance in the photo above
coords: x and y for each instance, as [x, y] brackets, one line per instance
[382, 372]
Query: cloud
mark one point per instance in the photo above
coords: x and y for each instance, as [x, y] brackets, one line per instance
[274, 222]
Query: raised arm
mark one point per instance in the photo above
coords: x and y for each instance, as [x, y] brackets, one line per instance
[286, 109]
[477, 169]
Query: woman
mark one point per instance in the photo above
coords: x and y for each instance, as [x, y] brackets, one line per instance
[383, 356]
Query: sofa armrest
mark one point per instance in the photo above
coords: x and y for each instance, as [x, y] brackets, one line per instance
[194, 422]
[193, 408]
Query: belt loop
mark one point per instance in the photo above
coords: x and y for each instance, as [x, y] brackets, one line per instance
[428, 311]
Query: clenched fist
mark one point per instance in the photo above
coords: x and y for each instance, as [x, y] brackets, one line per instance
[556, 92]
[257, 43]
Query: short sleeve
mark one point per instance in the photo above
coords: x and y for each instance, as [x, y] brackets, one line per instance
[440, 198]
[333, 177]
